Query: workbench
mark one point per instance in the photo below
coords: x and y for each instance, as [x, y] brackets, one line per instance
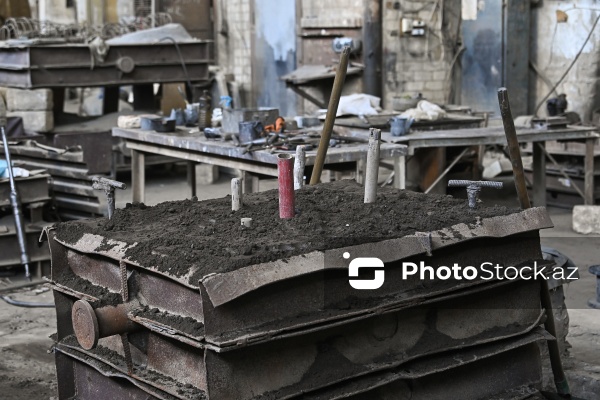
[194, 148]
[495, 136]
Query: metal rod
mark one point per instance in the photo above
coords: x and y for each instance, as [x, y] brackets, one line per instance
[299, 164]
[334, 101]
[513, 148]
[372, 170]
[236, 194]
[15, 202]
[443, 174]
[560, 379]
[285, 171]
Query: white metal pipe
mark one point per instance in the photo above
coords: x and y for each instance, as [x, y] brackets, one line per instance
[299, 164]
[372, 170]
[236, 194]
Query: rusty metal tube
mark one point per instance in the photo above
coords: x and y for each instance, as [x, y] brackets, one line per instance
[334, 101]
[285, 173]
[299, 164]
[91, 324]
[372, 169]
[236, 194]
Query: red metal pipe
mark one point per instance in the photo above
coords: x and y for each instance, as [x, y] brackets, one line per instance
[285, 172]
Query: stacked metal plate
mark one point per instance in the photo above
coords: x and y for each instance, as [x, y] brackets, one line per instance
[295, 327]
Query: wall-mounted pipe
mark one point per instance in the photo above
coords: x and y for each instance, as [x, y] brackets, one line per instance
[285, 172]
[372, 170]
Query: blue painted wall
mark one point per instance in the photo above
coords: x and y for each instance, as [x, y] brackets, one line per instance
[274, 53]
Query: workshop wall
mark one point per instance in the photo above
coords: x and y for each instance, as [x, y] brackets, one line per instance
[56, 11]
[420, 64]
[554, 46]
[319, 23]
[234, 43]
[274, 54]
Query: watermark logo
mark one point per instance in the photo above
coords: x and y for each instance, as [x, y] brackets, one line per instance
[486, 271]
[365, 262]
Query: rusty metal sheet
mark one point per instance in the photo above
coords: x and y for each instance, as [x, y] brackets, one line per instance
[382, 342]
[168, 331]
[180, 300]
[70, 65]
[474, 373]
[72, 361]
[114, 249]
[222, 288]
[101, 272]
[295, 305]
[31, 189]
[364, 347]
[9, 243]
[145, 379]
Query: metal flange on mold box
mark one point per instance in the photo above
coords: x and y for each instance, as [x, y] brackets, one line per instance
[294, 327]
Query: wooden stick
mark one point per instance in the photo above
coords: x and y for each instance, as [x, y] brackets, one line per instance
[334, 101]
[513, 148]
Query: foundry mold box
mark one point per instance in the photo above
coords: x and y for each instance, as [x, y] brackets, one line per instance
[265, 328]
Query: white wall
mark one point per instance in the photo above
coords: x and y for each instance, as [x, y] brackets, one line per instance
[555, 45]
[56, 11]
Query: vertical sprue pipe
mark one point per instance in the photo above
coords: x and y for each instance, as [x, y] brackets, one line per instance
[285, 173]
[236, 194]
[372, 166]
[334, 101]
[299, 164]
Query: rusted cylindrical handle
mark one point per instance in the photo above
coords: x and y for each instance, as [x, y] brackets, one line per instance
[90, 325]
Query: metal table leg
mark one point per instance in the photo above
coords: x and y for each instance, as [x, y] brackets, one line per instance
[249, 182]
[138, 175]
[589, 171]
[400, 172]
[539, 174]
[191, 177]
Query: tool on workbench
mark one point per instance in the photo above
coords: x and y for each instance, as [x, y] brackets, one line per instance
[159, 124]
[217, 133]
[250, 131]
[15, 202]
[278, 126]
[108, 185]
[560, 379]
[473, 188]
[334, 101]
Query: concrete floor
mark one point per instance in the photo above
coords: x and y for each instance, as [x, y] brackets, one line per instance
[27, 368]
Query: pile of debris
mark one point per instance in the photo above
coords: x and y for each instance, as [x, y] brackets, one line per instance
[181, 301]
